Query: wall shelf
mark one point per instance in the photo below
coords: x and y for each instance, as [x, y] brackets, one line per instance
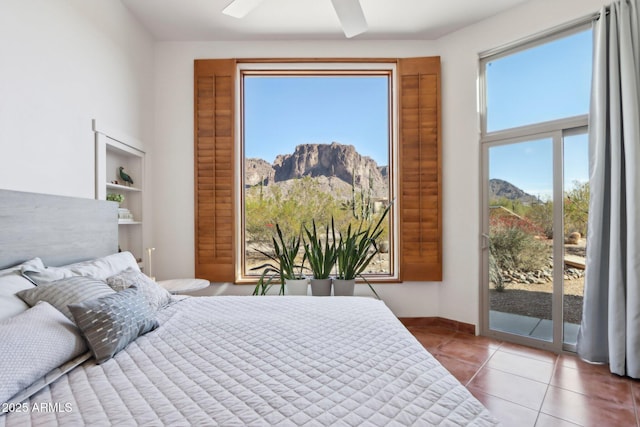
[119, 187]
[114, 150]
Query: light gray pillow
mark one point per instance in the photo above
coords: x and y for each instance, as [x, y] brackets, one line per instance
[99, 268]
[111, 322]
[43, 275]
[10, 303]
[32, 344]
[33, 263]
[61, 293]
[156, 295]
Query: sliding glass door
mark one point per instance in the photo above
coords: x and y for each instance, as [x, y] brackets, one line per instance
[520, 238]
[535, 211]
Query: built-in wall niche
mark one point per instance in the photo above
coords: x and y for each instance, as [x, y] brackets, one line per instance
[114, 151]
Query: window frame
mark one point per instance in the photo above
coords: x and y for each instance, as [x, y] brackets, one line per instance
[317, 68]
[419, 157]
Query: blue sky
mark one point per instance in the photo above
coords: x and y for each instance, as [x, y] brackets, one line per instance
[282, 112]
[543, 83]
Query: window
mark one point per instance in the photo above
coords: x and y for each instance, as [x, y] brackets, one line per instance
[318, 145]
[535, 175]
[219, 157]
[542, 83]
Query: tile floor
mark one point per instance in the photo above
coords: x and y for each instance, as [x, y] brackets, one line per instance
[523, 386]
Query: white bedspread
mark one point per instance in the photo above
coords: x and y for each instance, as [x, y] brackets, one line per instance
[258, 361]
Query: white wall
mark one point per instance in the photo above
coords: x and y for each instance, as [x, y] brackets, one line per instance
[457, 297]
[64, 62]
[172, 173]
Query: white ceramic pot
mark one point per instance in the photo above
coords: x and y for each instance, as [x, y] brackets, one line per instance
[296, 286]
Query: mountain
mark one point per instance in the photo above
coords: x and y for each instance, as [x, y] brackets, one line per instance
[499, 188]
[256, 170]
[335, 167]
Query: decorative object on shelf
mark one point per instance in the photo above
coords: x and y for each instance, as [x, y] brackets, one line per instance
[115, 197]
[125, 177]
[149, 251]
[322, 258]
[124, 215]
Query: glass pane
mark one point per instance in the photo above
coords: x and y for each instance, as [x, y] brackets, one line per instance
[546, 82]
[520, 238]
[576, 211]
[316, 147]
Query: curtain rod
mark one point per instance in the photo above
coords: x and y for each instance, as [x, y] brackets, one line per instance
[541, 36]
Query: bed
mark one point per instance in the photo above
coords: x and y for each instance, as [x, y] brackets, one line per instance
[226, 360]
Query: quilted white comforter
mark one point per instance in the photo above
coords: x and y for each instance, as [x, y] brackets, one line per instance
[258, 361]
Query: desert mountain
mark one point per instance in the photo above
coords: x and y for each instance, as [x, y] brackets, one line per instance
[499, 188]
[335, 167]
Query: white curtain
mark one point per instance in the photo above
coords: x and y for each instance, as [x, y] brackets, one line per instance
[610, 330]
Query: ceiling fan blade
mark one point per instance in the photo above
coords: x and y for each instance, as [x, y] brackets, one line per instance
[351, 17]
[240, 8]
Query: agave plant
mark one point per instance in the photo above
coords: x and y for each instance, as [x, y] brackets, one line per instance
[322, 256]
[357, 247]
[284, 255]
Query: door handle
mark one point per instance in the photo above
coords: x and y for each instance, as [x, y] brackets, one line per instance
[485, 240]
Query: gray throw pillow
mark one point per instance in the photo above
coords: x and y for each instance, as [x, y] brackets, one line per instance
[70, 290]
[32, 344]
[111, 322]
[157, 296]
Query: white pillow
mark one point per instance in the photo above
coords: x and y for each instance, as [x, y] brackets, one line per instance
[32, 344]
[33, 263]
[99, 268]
[10, 303]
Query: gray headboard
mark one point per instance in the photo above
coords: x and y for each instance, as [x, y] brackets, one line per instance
[58, 229]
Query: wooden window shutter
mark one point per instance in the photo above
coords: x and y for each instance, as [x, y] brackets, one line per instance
[420, 170]
[214, 86]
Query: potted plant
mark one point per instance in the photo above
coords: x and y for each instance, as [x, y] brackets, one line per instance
[115, 197]
[322, 258]
[356, 249]
[264, 284]
[285, 252]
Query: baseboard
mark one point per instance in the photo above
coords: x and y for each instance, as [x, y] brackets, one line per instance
[454, 325]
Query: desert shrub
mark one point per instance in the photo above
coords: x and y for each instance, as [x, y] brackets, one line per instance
[541, 214]
[515, 244]
[514, 205]
[576, 209]
[300, 203]
[495, 275]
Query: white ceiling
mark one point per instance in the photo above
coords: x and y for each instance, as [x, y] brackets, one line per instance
[202, 20]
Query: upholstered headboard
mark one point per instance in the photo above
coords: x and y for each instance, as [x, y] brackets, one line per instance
[58, 229]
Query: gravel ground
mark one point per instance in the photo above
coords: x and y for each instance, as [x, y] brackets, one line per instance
[535, 300]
